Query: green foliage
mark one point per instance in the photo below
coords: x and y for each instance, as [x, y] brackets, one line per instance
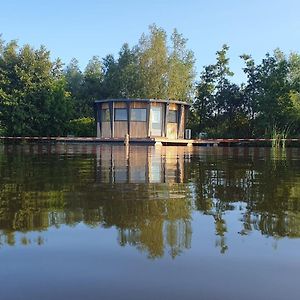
[82, 127]
[219, 103]
[151, 69]
[34, 100]
[153, 63]
[270, 97]
[181, 72]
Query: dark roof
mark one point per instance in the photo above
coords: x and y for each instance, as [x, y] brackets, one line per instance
[142, 100]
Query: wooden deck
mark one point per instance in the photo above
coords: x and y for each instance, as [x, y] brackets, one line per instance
[151, 141]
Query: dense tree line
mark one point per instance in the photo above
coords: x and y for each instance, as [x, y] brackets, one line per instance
[268, 102]
[39, 96]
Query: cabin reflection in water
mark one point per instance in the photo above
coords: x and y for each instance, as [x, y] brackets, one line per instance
[135, 164]
[148, 201]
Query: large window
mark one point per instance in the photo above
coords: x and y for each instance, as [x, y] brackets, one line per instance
[138, 114]
[120, 114]
[172, 116]
[105, 115]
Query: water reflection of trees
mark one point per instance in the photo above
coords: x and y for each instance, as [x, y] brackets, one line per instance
[147, 193]
[265, 188]
[147, 203]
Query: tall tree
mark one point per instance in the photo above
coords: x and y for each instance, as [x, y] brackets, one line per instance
[92, 86]
[110, 85]
[273, 100]
[153, 63]
[180, 69]
[130, 82]
[218, 103]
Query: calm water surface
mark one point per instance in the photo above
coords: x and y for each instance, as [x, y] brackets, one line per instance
[110, 222]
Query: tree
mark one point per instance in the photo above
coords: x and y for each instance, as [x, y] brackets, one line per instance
[122, 77]
[92, 86]
[153, 63]
[110, 84]
[180, 69]
[268, 93]
[130, 82]
[74, 77]
[30, 83]
[204, 104]
[218, 106]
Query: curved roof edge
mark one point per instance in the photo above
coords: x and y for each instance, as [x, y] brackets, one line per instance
[142, 100]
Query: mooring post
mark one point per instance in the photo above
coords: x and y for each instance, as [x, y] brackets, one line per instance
[126, 139]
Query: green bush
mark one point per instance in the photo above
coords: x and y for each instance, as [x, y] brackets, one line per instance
[82, 127]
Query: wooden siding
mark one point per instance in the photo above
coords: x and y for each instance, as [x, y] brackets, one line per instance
[143, 129]
[173, 106]
[120, 105]
[105, 126]
[172, 130]
[156, 104]
[139, 105]
[182, 123]
[138, 129]
[120, 129]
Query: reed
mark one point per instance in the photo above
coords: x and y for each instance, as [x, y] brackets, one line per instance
[279, 137]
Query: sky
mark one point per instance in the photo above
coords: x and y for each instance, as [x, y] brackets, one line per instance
[83, 28]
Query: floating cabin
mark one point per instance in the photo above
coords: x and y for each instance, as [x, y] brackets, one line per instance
[144, 120]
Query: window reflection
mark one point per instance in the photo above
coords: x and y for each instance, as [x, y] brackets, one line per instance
[138, 114]
[121, 114]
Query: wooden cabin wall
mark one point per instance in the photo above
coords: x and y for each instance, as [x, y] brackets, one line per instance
[172, 127]
[121, 127]
[106, 133]
[173, 106]
[182, 123]
[105, 126]
[138, 129]
[120, 105]
[172, 131]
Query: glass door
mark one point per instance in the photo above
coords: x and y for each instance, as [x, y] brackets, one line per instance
[156, 120]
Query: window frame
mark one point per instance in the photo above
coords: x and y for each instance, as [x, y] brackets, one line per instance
[115, 115]
[176, 116]
[105, 114]
[145, 111]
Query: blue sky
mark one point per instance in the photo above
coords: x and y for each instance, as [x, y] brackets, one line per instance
[82, 29]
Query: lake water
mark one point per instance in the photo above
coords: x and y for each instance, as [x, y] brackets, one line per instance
[112, 222]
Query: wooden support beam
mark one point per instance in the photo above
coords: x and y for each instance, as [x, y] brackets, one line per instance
[180, 121]
[166, 119]
[128, 116]
[112, 119]
[186, 116]
[99, 120]
[149, 119]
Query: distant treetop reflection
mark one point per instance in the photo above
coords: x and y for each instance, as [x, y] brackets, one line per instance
[148, 194]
